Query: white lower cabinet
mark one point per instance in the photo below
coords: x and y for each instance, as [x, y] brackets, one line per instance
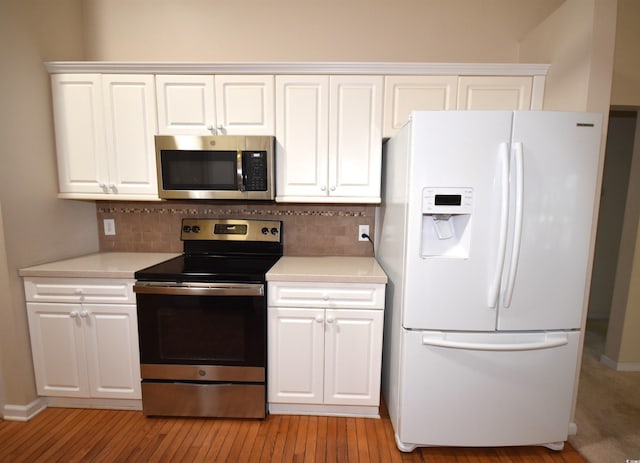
[83, 344]
[325, 360]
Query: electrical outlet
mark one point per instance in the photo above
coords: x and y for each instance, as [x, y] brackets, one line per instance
[363, 230]
[109, 226]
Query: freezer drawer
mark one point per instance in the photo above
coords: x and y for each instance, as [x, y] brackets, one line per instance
[486, 389]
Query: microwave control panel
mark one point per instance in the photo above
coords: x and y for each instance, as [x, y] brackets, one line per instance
[254, 170]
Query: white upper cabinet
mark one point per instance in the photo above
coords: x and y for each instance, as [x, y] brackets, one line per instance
[403, 94]
[495, 92]
[104, 135]
[329, 138]
[186, 105]
[218, 105]
[302, 136]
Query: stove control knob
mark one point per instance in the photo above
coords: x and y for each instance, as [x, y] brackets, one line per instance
[195, 229]
[186, 229]
[274, 231]
[265, 231]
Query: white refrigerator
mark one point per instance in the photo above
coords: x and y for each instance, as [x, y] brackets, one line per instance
[485, 234]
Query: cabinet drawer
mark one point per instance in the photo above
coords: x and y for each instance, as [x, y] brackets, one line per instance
[118, 291]
[326, 295]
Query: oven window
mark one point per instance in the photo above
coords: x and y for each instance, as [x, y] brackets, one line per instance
[202, 330]
[199, 170]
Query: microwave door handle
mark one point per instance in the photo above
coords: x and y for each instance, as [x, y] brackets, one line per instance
[240, 175]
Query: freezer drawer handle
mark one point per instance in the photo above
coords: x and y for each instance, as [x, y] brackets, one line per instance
[548, 343]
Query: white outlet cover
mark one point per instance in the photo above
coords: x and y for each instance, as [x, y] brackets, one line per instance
[109, 226]
[363, 229]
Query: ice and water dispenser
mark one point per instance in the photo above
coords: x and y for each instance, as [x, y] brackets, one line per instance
[446, 222]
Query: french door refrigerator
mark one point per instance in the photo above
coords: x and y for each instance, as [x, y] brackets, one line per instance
[486, 228]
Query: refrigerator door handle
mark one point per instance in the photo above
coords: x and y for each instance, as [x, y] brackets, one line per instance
[494, 289]
[517, 232]
[550, 341]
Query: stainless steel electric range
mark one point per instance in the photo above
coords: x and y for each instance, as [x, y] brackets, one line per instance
[202, 321]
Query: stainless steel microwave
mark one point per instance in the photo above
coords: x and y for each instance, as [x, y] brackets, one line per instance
[215, 167]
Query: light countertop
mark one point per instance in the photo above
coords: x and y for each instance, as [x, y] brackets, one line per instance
[99, 265]
[336, 269]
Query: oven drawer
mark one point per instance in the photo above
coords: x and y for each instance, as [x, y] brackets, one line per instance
[98, 290]
[225, 400]
[326, 295]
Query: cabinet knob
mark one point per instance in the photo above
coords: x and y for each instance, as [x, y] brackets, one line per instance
[84, 314]
[319, 319]
[330, 319]
[333, 188]
[103, 186]
[113, 188]
[74, 314]
[323, 188]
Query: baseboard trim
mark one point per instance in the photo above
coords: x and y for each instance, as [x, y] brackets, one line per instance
[619, 366]
[24, 412]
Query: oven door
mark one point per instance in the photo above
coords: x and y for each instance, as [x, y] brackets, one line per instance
[202, 331]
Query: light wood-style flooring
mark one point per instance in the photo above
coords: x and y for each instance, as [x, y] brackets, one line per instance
[83, 435]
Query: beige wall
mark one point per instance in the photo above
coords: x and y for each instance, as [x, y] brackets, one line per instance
[622, 348]
[294, 30]
[36, 226]
[626, 72]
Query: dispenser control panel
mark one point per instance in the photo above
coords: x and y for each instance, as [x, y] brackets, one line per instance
[447, 200]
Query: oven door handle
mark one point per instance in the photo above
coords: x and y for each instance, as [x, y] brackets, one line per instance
[199, 289]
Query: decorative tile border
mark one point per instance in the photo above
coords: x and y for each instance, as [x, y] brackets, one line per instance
[339, 211]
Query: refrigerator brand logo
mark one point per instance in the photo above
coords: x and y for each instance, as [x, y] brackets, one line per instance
[585, 124]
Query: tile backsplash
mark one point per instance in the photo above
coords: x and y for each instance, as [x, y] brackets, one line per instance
[308, 230]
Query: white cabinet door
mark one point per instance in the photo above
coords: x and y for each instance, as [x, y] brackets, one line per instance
[296, 355]
[329, 131]
[80, 133]
[186, 104]
[495, 92]
[355, 137]
[403, 94]
[302, 127]
[353, 346]
[245, 104]
[112, 350]
[57, 344]
[104, 135]
[130, 110]
[85, 350]
[218, 105]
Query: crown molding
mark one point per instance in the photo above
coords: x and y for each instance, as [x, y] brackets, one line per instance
[320, 67]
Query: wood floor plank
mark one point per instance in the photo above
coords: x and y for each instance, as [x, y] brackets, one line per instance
[278, 450]
[220, 429]
[77, 435]
[17, 435]
[321, 439]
